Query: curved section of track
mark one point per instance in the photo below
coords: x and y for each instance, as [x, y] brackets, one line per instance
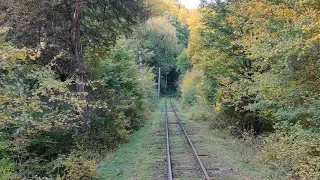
[194, 161]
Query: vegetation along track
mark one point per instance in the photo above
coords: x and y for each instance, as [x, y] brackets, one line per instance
[183, 161]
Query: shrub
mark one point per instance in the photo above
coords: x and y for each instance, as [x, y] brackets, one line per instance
[296, 152]
[189, 97]
[220, 121]
[7, 169]
[80, 168]
[189, 89]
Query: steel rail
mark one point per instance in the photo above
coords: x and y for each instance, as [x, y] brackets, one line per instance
[168, 144]
[191, 144]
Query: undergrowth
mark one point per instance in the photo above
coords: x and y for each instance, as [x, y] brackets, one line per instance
[135, 159]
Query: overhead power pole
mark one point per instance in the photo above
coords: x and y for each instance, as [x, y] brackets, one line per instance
[159, 81]
[141, 70]
[166, 83]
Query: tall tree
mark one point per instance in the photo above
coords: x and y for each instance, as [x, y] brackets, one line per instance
[63, 29]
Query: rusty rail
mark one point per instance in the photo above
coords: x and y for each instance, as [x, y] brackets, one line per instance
[190, 143]
[168, 144]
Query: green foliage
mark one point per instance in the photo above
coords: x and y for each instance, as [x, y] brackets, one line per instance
[184, 63]
[260, 62]
[101, 22]
[199, 113]
[79, 167]
[294, 149]
[40, 114]
[163, 42]
[119, 76]
[189, 97]
[7, 169]
[48, 94]
[121, 99]
[34, 105]
[183, 31]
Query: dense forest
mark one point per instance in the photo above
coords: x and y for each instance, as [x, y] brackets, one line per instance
[79, 77]
[256, 71]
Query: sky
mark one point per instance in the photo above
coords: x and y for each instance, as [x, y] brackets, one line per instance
[190, 4]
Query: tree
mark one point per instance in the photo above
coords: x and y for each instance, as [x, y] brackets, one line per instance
[162, 43]
[65, 28]
[260, 59]
[50, 89]
[184, 63]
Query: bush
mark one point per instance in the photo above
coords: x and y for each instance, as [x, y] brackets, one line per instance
[199, 113]
[189, 90]
[189, 97]
[7, 169]
[296, 152]
[79, 168]
[220, 121]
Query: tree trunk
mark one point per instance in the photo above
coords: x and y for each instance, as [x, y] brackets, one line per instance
[79, 64]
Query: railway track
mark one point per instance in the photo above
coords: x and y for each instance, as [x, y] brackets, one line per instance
[183, 161]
